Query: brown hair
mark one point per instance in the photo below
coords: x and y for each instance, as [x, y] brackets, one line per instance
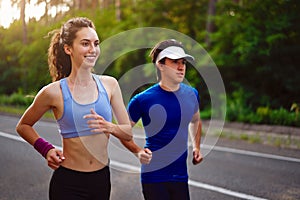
[59, 62]
[158, 48]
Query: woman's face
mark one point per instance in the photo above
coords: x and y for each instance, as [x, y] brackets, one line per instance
[85, 49]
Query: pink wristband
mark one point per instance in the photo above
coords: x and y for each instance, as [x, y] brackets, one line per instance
[42, 146]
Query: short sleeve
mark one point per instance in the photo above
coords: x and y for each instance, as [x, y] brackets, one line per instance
[197, 102]
[134, 109]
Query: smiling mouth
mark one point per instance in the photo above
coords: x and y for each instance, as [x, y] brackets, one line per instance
[90, 59]
[90, 56]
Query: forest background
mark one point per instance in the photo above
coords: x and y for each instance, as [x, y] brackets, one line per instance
[254, 43]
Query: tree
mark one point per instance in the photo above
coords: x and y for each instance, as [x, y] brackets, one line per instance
[210, 26]
[83, 5]
[22, 5]
[256, 50]
[22, 16]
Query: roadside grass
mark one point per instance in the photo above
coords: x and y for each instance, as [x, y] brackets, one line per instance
[280, 141]
[12, 110]
[19, 110]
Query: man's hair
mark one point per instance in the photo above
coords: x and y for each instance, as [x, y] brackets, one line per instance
[158, 48]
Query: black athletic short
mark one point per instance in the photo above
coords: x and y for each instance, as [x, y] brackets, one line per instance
[166, 191]
[68, 184]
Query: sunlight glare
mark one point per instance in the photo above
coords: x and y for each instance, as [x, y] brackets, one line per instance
[34, 11]
[8, 13]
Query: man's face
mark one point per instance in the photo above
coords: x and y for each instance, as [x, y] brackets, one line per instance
[174, 69]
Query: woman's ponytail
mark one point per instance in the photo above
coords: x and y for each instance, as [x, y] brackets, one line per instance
[59, 62]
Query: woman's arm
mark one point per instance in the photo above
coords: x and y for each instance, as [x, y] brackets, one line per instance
[40, 105]
[144, 155]
[33, 113]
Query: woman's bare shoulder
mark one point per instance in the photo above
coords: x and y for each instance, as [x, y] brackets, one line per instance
[52, 90]
[107, 78]
[108, 81]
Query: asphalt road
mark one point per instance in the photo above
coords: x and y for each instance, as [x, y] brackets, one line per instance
[231, 170]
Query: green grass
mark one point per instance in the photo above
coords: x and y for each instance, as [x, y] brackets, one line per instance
[272, 140]
[19, 110]
[278, 142]
[12, 110]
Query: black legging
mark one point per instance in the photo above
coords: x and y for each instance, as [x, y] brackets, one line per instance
[75, 185]
[166, 191]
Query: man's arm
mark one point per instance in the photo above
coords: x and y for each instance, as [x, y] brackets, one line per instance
[195, 133]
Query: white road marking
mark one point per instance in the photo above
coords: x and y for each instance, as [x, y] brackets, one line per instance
[242, 152]
[250, 153]
[223, 190]
[193, 183]
[208, 147]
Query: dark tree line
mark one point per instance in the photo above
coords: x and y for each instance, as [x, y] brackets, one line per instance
[254, 43]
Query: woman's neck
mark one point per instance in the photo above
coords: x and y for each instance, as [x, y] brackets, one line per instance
[80, 77]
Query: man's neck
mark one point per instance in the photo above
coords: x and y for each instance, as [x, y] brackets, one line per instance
[169, 87]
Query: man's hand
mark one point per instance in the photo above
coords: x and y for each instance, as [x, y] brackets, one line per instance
[197, 156]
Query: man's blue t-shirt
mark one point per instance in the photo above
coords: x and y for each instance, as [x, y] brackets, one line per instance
[165, 116]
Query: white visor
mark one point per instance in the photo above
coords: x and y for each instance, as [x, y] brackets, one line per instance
[173, 52]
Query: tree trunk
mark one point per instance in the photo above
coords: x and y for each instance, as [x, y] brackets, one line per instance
[22, 16]
[105, 3]
[95, 4]
[118, 9]
[210, 26]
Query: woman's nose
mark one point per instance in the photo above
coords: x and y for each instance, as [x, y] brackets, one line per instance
[92, 48]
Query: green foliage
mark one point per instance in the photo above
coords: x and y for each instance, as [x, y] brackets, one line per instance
[257, 49]
[255, 45]
[239, 109]
[237, 106]
[295, 107]
[205, 114]
[282, 117]
[16, 99]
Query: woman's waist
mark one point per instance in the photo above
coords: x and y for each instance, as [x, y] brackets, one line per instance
[86, 153]
[85, 164]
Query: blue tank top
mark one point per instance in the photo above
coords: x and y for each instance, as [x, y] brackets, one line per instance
[72, 124]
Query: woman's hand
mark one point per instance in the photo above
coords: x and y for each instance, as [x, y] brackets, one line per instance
[145, 156]
[98, 123]
[54, 158]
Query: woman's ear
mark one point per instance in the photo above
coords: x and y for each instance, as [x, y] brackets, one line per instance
[67, 49]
